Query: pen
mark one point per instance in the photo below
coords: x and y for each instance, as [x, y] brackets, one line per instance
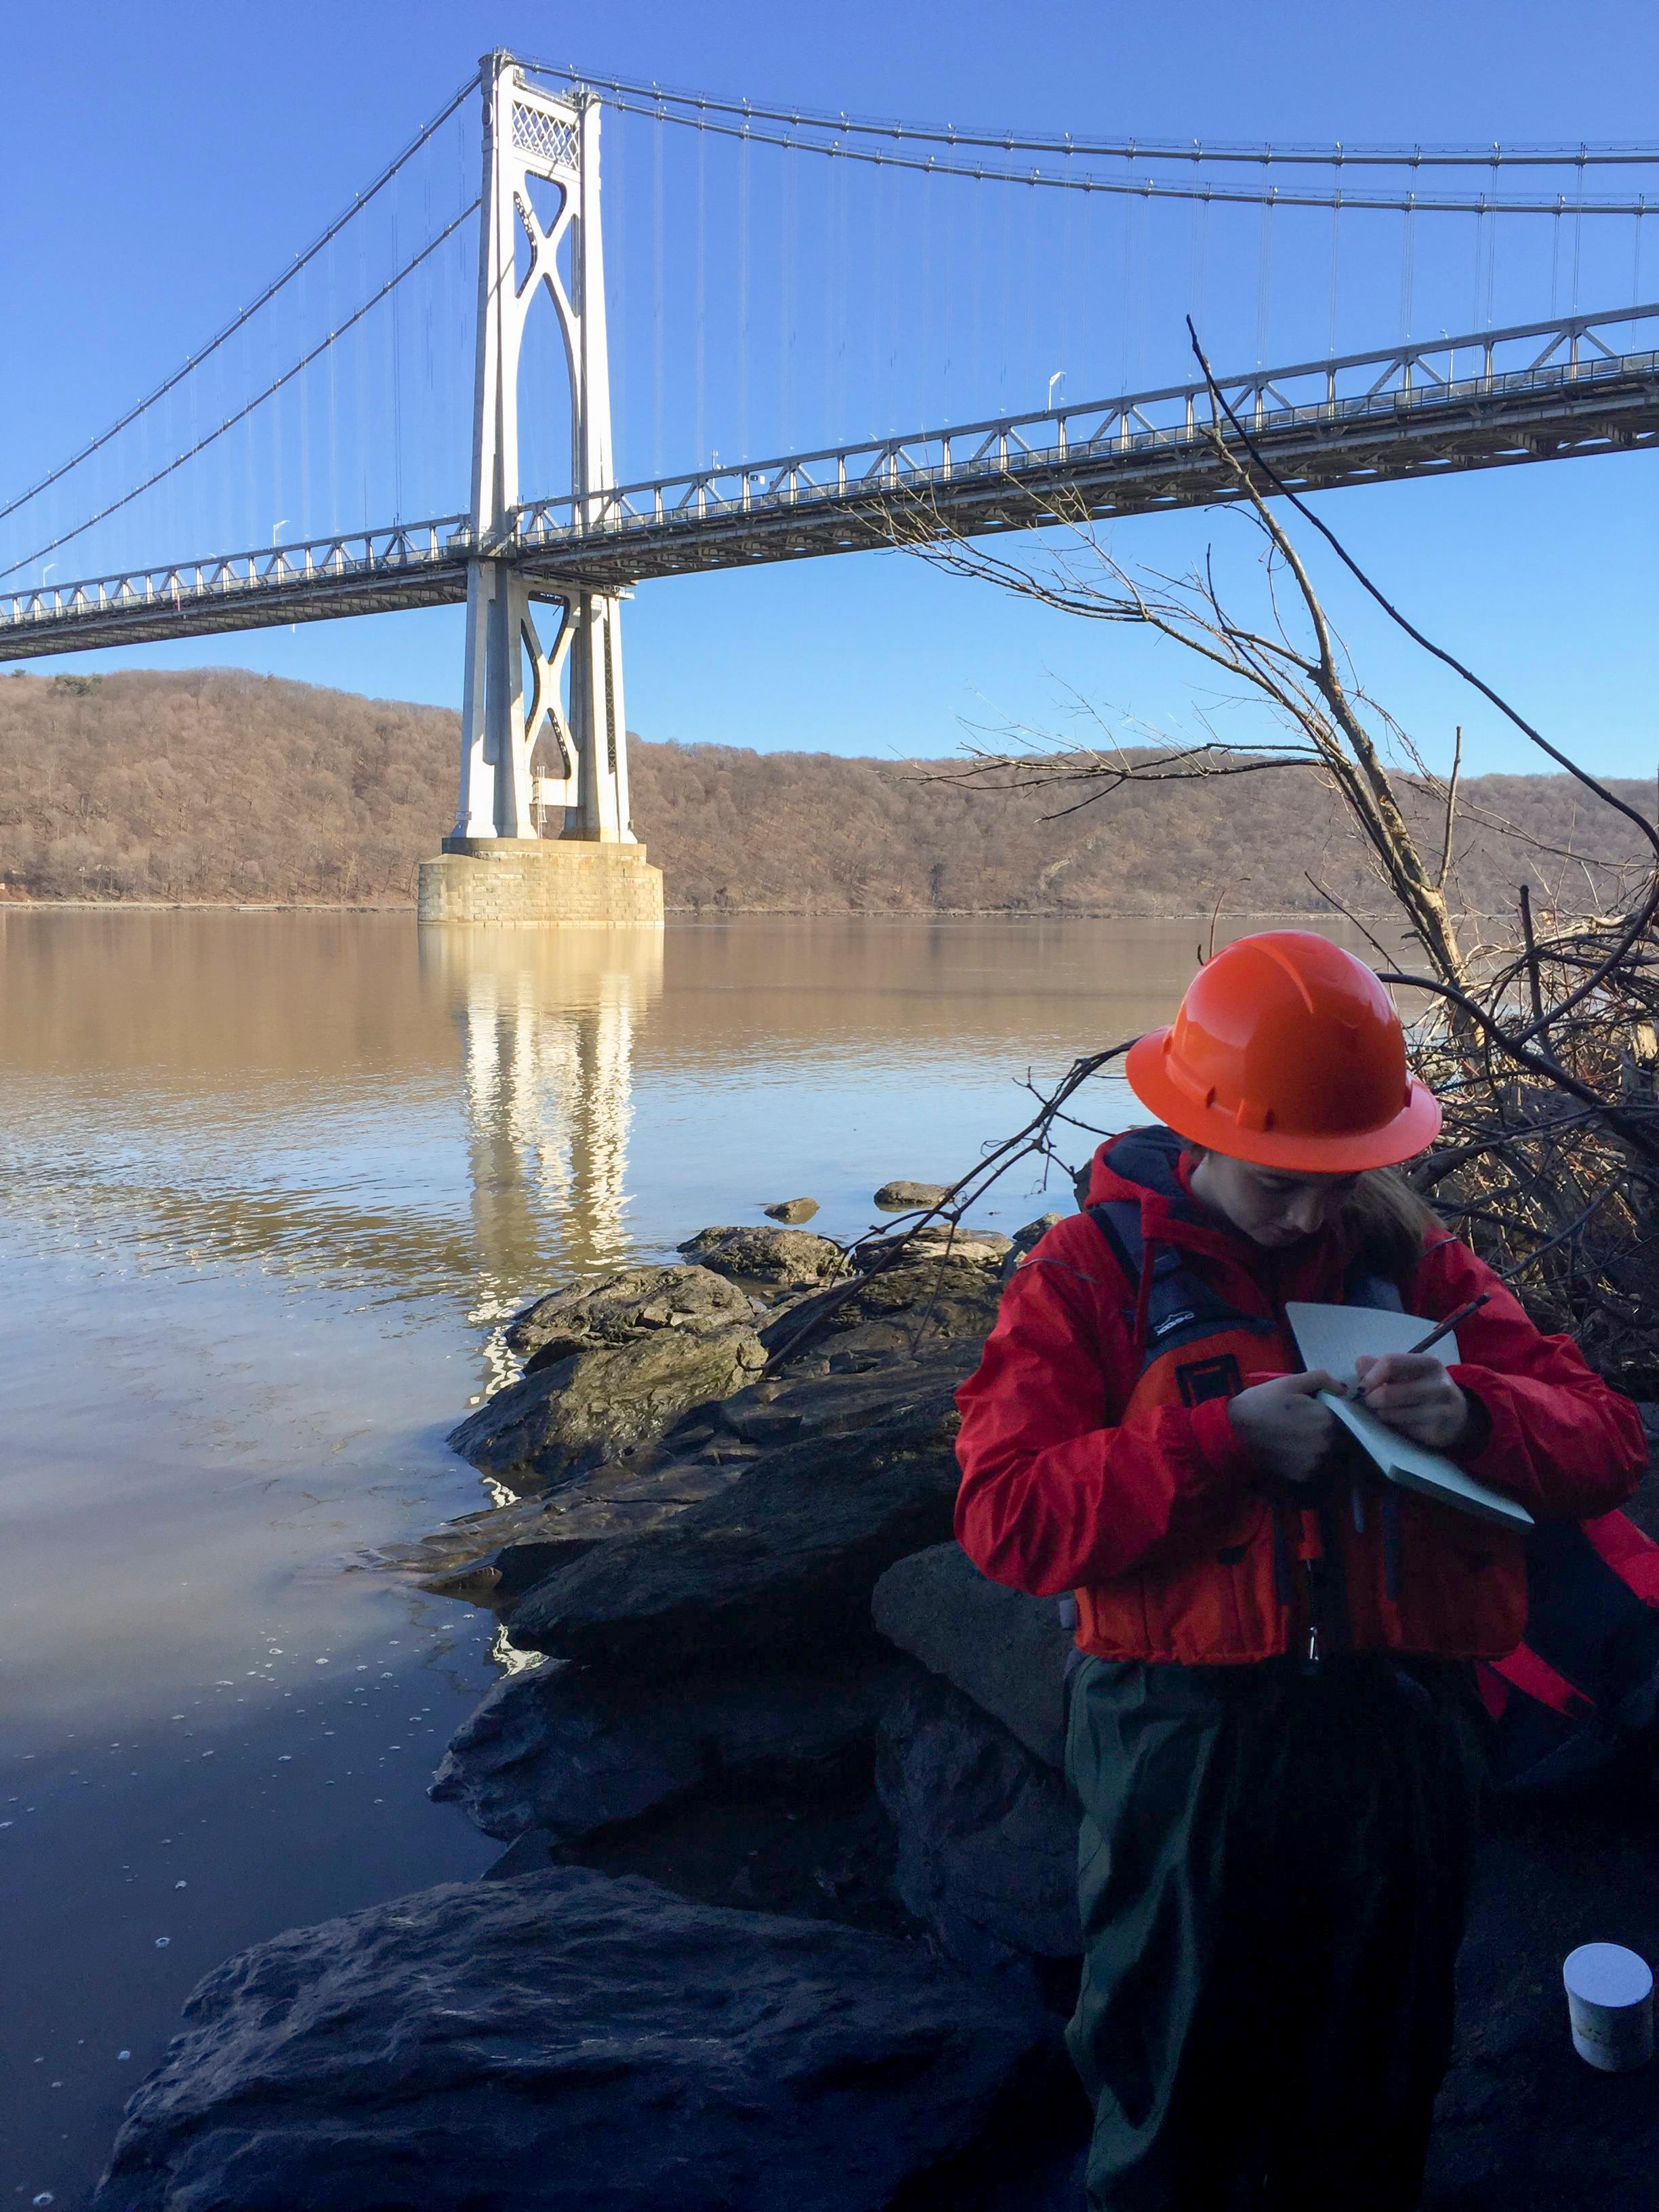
[1441, 1329]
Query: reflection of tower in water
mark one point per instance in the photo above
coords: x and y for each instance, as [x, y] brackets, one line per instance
[546, 1020]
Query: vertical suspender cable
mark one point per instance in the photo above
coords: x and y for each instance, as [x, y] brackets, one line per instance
[1577, 238]
[1005, 270]
[250, 431]
[890, 226]
[616, 268]
[333, 408]
[1636, 263]
[833, 315]
[1030, 323]
[743, 298]
[302, 519]
[947, 319]
[360, 353]
[426, 438]
[1122, 287]
[872, 292]
[786, 434]
[1067, 275]
[1264, 277]
[1407, 272]
[658, 353]
[1336, 248]
[926, 318]
[699, 449]
[266, 529]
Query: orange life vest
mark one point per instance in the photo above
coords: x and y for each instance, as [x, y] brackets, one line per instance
[1355, 1567]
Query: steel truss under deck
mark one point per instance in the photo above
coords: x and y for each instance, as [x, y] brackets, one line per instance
[1536, 392]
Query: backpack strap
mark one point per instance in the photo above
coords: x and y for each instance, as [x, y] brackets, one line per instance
[1173, 1305]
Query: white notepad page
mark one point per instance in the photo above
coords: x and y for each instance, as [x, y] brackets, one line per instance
[1333, 1337]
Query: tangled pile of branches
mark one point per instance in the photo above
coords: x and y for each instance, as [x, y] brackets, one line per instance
[1539, 1031]
[1548, 1158]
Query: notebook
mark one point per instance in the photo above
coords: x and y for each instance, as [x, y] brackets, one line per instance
[1332, 1337]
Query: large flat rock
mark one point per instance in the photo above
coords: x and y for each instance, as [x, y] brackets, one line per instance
[783, 1561]
[493, 1557]
[1007, 1651]
[570, 1750]
[570, 2043]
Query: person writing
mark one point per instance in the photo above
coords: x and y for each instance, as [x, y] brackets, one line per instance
[1273, 1733]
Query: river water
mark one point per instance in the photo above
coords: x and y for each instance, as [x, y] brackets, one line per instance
[270, 1183]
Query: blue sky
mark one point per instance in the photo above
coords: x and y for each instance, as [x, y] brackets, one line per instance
[163, 162]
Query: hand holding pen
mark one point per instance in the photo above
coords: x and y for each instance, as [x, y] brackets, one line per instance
[1413, 1393]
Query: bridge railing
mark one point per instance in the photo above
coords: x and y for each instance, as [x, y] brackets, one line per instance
[1407, 379]
[1406, 384]
[317, 561]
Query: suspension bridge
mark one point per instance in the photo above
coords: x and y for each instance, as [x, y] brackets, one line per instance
[917, 259]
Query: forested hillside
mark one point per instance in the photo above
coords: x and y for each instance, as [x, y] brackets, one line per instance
[217, 786]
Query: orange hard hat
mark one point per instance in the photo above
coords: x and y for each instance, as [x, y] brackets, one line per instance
[1286, 1051]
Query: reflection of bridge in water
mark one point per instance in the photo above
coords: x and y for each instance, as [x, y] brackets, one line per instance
[311, 1096]
[547, 1021]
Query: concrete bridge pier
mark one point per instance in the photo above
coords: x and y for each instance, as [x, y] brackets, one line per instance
[542, 833]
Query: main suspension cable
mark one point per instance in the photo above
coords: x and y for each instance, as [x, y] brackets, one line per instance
[258, 399]
[1607, 154]
[245, 315]
[1151, 188]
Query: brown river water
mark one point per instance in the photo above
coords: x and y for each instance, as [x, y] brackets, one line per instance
[270, 1183]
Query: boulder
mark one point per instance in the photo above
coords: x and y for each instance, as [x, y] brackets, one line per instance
[493, 1557]
[924, 1287]
[935, 1240]
[900, 1197]
[785, 1559]
[1027, 1239]
[1006, 1651]
[846, 1398]
[788, 1257]
[596, 1406]
[570, 2043]
[762, 1846]
[986, 1836]
[792, 1212]
[617, 1308]
[570, 1750]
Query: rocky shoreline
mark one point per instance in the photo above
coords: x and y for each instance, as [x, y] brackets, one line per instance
[785, 1908]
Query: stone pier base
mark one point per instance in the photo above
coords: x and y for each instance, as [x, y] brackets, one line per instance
[506, 880]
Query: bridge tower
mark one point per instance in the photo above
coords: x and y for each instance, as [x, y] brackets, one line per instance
[528, 846]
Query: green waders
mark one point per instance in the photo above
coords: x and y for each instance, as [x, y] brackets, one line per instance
[1273, 1875]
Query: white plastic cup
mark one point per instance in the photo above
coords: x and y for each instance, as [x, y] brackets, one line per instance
[1610, 2005]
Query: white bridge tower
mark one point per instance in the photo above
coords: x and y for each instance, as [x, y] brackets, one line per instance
[538, 776]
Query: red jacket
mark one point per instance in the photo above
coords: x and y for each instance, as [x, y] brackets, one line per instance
[1153, 1513]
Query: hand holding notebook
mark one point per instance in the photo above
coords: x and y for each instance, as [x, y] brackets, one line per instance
[1333, 1338]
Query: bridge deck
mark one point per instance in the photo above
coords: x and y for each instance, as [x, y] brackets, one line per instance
[1360, 420]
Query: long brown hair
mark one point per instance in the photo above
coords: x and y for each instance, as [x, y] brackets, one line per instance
[1389, 1221]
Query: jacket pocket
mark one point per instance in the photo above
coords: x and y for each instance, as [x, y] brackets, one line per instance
[1462, 1586]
